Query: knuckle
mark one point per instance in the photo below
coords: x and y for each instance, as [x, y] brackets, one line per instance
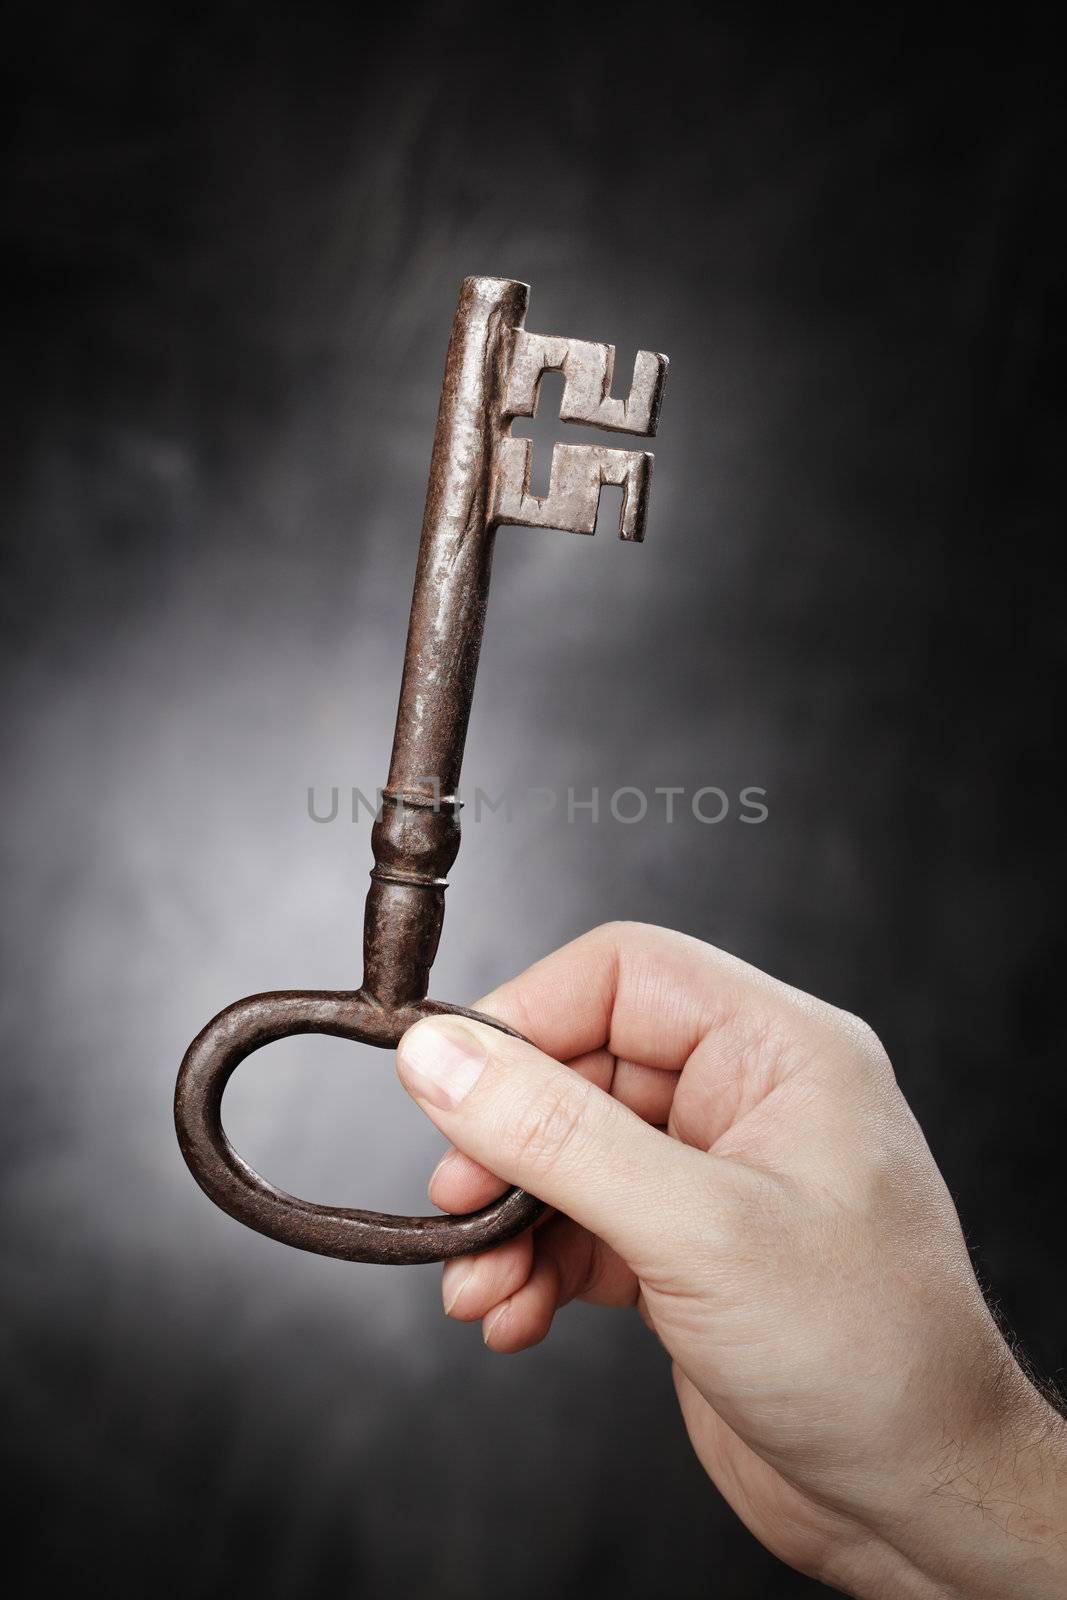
[548, 1126]
[869, 1049]
[616, 925]
[858, 1047]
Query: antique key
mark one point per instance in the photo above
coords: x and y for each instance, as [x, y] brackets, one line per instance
[479, 481]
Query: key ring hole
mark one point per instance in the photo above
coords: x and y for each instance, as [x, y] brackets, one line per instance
[327, 1116]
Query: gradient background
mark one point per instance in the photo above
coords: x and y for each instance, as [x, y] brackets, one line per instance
[238, 236]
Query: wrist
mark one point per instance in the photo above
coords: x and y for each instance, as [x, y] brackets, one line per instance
[988, 1516]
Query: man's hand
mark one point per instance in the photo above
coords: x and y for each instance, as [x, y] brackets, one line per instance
[735, 1158]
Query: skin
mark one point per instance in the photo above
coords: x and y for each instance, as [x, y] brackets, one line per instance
[735, 1159]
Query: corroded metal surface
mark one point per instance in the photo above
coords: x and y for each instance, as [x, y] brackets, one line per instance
[479, 480]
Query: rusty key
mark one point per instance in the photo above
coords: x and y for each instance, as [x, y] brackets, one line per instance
[479, 481]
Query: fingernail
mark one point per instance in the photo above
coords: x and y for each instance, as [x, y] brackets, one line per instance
[454, 1280]
[440, 1062]
[490, 1322]
[436, 1173]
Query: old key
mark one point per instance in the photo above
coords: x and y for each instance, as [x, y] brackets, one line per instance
[479, 481]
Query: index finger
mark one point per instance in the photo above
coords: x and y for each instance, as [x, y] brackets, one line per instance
[647, 994]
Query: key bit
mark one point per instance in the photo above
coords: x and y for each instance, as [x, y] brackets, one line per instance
[588, 370]
[578, 470]
[479, 481]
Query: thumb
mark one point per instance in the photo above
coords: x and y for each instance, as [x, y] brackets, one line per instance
[541, 1126]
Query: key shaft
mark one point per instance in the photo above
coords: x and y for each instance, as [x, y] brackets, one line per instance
[416, 838]
[479, 478]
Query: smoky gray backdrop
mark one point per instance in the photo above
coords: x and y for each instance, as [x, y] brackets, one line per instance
[238, 236]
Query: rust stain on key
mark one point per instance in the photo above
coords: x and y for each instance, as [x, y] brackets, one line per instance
[479, 481]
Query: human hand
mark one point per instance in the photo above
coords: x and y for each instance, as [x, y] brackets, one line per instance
[735, 1158]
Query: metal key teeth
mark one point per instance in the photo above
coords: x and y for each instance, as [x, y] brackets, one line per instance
[587, 371]
[579, 471]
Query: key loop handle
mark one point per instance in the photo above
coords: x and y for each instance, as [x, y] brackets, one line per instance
[479, 480]
[233, 1185]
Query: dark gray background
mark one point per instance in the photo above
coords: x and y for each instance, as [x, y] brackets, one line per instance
[238, 236]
